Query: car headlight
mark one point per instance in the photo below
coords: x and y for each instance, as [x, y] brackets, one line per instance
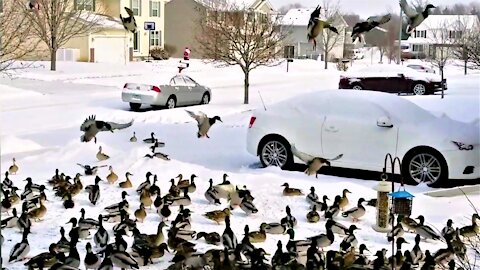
[462, 146]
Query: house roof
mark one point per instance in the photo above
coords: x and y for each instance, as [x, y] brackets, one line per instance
[454, 21]
[301, 16]
[100, 20]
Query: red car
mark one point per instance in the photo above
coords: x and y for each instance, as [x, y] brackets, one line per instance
[392, 79]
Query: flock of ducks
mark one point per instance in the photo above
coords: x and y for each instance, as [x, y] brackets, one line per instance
[107, 248]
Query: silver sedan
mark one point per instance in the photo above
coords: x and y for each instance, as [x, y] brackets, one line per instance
[181, 91]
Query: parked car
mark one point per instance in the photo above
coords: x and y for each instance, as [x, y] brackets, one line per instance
[392, 79]
[421, 68]
[364, 126]
[358, 54]
[182, 90]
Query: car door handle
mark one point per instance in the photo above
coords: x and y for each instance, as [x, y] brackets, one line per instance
[331, 129]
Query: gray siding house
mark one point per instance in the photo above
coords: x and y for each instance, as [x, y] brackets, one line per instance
[182, 18]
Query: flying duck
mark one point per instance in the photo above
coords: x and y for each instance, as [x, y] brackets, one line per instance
[204, 122]
[356, 212]
[414, 18]
[314, 163]
[91, 127]
[90, 170]
[365, 26]
[13, 169]
[315, 27]
[129, 22]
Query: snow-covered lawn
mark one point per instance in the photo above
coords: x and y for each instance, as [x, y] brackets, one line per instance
[41, 113]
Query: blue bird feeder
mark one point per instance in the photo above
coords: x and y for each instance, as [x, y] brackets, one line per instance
[402, 202]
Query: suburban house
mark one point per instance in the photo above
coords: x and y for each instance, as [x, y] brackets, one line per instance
[182, 18]
[296, 22]
[110, 42]
[439, 30]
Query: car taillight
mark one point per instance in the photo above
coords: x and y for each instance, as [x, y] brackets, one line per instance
[156, 89]
[252, 121]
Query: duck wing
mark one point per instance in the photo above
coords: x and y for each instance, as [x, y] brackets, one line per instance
[301, 155]
[114, 125]
[407, 9]
[200, 117]
[314, 16]
[378, 20]
[89, 121]
[129, 11]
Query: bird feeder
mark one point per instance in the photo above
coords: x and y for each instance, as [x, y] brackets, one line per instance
[383, 188]
[402, 202]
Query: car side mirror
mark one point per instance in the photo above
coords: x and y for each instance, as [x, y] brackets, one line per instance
[401, 75]
[384, 122]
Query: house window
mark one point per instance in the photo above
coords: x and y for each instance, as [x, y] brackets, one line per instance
[88, 5]
[154, 38]
[455, 34]
[154, 9]
[135, 6]
[136, 41]
[250, 17]
[1, 6]
[418, 48]
[421, 34]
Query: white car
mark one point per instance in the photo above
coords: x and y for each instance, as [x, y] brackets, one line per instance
[358, 54]
[364, 126]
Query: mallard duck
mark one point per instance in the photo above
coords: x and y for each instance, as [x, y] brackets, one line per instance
[183, 183]
[151, 139]
[276, 228]
[356, 212]
[212, 238]
[91, 127]
[289, 220]
[416, 252]
[127, 183]
[7, 182]
[146, 199]
[334, 209]
[314, 163]
[426, 231]
[68, 203]
[218, 215]
[100, 155]
[117, 206]
[154, 189]
[448, 231]
[338, 228]
[43, 260]
[89, 223]
[361, 257]
[459, 248]
[349, 241]
[174, 190]
[94, 191]
[211, 194]
[101, 237]
[258, 236]
[112, 177]
[325, 240]
[297, 246]
[409, 224]
[24, 221]
[6, 204]
[204, 123]
[414, 18]
[344, 200]
[10, 222]
[396, 232]
[316, 26]
[13, 169]
[225, 187]
[20, 250]
[140, 213]
[121, 259]
[78, 232]
[184, 200]
[398, 259]
[165, 212]
[90, 170]
[471, 230]
[229, 239]
[14, 198]
[313, 216]
[365, 26]
[63, 245]
[145, 184]
[133, 138]
[129, 22]
[288, 191]
[248, 207]
[312, 197]
[38, 213]
[91, 260]
[158, 155]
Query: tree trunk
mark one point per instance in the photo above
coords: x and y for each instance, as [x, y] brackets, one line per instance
[381, 56]
[246, 86]
[325, 59]
[53, 55]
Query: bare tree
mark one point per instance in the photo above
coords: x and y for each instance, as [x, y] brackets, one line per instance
[331, 12]
[234, 36]
[393, 47]
[55, 22]
[467, 40]
[15, 36]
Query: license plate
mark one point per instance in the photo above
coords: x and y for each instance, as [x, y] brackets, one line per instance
[136, 96]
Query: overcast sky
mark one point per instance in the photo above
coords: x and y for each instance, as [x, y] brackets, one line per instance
[364, 8]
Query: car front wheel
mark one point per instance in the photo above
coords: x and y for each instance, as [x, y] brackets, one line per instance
[419, 89]
[425, 166]
[275, 151]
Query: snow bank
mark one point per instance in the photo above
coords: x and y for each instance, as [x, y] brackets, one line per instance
[7, 93]
[12, 145]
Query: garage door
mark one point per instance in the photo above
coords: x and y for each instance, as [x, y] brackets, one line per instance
[110, 50]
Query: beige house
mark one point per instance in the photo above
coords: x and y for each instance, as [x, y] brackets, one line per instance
[183, 16]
